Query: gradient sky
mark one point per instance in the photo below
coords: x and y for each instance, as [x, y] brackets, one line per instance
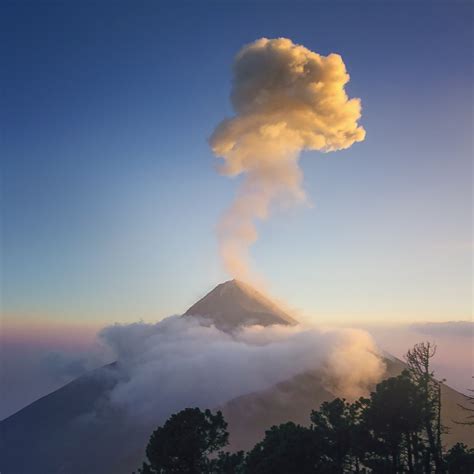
[110, 195]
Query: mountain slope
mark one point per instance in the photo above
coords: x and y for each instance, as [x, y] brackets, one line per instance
[234, 303]
[250, 415]
[58, 433]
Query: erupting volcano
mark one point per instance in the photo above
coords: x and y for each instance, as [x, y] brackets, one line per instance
[234, 349]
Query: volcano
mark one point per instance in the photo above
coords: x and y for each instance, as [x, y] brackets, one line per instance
[77, 430]
[235, 303]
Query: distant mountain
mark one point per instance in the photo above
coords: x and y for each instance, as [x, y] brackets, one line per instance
[234, 303]
[76, 430]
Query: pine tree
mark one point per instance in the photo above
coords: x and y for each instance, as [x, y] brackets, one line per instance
[418, 360]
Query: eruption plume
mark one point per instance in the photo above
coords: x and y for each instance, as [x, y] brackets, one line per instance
[286, 99]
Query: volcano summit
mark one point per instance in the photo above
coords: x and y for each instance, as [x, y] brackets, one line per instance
[235, 303]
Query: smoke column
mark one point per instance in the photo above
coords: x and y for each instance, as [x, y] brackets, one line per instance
[286, 99]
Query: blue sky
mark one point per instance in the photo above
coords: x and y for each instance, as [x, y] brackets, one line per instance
[109, 193]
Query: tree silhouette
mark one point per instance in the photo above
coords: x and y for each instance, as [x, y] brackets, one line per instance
[337, 427]
[287, 448]
[228, 463]
[394, 418]
[460, 459]
[418, 360]
[185, 442]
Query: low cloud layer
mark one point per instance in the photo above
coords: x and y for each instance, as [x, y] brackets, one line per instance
[29, 370]
[454, 359]
[181, 362]
[286, 99]
[448, 328]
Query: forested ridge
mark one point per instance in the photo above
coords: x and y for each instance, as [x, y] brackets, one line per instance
[397, 429]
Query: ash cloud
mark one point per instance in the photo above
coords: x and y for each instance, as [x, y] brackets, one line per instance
[286, 99]
[186, 361]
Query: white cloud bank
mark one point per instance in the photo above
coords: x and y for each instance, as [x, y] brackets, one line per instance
[184, 361]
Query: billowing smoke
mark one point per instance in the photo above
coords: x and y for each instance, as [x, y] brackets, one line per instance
[186, 361]
[286, 99]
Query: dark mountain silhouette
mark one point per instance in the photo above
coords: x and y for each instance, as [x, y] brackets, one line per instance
[75, 430]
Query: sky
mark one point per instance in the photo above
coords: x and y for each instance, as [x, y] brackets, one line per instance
[110, 195]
